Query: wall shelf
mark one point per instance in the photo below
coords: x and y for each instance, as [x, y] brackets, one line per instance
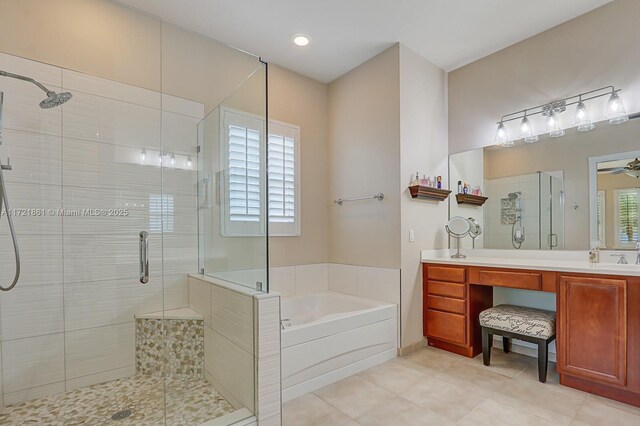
[474, 200]
[427, 193]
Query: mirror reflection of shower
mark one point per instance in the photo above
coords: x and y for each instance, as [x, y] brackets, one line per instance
[517, 228]
[52, 100]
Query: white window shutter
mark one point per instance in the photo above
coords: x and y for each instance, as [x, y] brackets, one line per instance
[627, 217]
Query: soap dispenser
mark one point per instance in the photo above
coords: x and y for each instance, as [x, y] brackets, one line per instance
[594, 254]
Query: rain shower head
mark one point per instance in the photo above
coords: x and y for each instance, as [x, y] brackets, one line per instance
[514, 195]
[53, 99]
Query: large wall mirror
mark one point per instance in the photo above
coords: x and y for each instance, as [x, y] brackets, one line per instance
[556, 194]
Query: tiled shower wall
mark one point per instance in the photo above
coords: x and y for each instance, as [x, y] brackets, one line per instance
[70, 321]
[498, 235]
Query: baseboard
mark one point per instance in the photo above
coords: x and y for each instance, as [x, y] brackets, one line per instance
[333, 376]
[519, 348]
[240, 417]
[412, 347]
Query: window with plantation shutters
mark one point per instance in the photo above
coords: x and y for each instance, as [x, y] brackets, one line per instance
[243, 165]
[245, 162]
[244, 174]
[283, 179]
[601, 218]
[626, 217]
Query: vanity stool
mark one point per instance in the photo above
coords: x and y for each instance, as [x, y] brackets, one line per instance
[517, 322]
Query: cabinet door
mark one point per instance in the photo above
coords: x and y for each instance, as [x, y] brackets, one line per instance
[592, 329]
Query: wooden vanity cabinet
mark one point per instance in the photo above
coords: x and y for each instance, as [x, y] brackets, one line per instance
[451, 310]
[597, 321]
[598, 335]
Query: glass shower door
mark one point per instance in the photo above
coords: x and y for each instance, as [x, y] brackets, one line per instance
[551, 212]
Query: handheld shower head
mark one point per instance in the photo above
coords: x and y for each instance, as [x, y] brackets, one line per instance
[53, 99]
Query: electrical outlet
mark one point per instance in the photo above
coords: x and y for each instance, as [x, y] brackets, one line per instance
[412, 236]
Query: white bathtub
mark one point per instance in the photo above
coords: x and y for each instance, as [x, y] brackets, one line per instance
[332, 336]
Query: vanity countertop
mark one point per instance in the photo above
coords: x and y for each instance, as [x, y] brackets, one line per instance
[559, 261]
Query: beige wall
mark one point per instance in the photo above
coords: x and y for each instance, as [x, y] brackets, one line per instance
[302, 101]
[387, 120]
[96, 37]
[591, 51]
[609, 183]
[423, 148]
[364, 159]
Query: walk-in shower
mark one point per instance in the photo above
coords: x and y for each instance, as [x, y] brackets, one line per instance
[53, 100]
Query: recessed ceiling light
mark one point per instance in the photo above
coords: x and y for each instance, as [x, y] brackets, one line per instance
[301, 40]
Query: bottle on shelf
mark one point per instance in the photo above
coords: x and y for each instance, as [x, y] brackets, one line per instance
[439, 182]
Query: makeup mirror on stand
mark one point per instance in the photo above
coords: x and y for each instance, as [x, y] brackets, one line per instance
[474, 231]
[458, 227]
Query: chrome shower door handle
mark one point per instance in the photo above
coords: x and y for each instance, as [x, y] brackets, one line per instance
[144, 257]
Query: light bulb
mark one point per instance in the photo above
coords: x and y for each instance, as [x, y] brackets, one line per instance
[526, 131]
[143, 156]
[173, 160]
[502, 138]
[583, 122]
[616, 113]
[555, 131]
[189, 163]
[159, 161]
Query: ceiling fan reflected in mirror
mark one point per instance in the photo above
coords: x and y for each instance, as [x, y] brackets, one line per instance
[632, 168]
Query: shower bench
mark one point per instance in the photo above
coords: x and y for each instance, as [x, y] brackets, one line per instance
[172, 343]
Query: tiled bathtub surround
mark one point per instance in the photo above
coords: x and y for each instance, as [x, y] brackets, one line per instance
[381, 284]
[70, 321]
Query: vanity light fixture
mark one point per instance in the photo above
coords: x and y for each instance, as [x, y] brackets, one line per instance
[301, 40]
[502, 137]
[615, 113]
[583, 122]
[526, 131]
[555, 131]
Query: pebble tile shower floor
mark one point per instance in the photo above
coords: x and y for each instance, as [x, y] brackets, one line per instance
[189, 402]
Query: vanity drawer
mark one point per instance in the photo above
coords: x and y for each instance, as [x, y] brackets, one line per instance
[446, 289]
[447, 273]
[513, 279]
[446, 326]
[456, 306]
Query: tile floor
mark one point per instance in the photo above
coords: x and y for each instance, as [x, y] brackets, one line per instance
[189, 402]
[433, 387]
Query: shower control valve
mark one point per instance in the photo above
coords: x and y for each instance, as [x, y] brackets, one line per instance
[6, 166]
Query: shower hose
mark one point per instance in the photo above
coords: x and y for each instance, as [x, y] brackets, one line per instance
[3, 197]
